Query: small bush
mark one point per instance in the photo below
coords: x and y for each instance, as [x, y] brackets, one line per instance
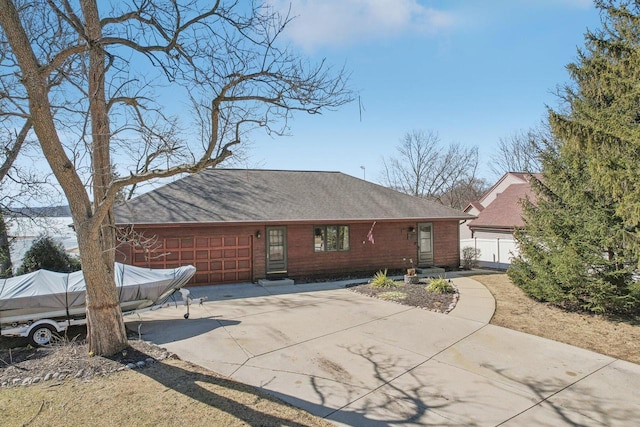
[440, 286]
[380, 280]
[45, 253]
[470, 257]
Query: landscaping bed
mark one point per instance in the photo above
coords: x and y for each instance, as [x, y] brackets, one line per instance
[415, 295]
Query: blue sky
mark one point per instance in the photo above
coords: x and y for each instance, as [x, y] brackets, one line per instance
[473, 71]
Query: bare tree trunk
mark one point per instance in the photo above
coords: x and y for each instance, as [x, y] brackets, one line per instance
[103, 308]
[102, 302]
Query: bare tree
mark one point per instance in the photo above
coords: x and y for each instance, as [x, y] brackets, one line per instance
[116, 67]
[519, 152]
[425, 168]
[466, 191]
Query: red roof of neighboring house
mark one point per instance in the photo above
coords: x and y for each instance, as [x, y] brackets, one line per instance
[506, 210]
[475, 204]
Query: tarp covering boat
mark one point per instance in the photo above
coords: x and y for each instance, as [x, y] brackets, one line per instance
[46, 294]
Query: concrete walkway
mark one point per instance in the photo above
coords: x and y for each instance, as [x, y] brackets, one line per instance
[359, 361]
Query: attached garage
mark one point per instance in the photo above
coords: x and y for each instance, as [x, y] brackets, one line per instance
[218, 259]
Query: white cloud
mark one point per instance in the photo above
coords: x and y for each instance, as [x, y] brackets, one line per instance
[349, 22]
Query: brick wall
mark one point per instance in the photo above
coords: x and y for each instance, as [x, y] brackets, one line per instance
[393, 242]
[446, 244]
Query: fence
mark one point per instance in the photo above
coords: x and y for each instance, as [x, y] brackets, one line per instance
[494, 253]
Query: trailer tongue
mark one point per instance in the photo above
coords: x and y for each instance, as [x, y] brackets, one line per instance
[39, 304]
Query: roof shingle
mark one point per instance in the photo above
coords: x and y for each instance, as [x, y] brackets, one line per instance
[241, 195]
[506, 210]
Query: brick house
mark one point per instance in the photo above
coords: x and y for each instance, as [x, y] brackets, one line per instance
[239, 225]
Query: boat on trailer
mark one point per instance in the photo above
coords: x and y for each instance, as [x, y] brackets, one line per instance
[39, 304]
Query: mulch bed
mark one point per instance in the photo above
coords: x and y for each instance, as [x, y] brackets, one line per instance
[416, 296]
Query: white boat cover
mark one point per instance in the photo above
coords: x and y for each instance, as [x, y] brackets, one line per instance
[45, 292]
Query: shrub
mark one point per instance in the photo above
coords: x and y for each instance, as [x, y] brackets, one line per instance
[470, 257]
[440, 286]
[380, 280]
[45, 253]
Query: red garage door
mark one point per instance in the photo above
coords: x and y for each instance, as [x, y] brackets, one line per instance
[218, 259]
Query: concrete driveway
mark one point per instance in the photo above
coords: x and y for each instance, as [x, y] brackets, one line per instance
[359, 361]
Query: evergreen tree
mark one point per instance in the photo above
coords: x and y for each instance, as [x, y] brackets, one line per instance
[602, 121]
[580, 245]
[45, 253]
[572, 248]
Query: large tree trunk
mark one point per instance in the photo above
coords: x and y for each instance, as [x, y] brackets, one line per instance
[106, 333]
[105, 326]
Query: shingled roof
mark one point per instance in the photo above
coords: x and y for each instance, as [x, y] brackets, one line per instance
[505, 212]
[241, 195]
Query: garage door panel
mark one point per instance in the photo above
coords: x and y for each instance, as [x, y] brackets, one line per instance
[218, 259]
[244, 276]
[202, 242]
[202, 254]
[201, 278]
[172, 243]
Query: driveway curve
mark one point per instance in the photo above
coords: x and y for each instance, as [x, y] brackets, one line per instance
[359, 361]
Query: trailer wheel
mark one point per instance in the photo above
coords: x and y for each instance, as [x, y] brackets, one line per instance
[186, 315]
[41, 335]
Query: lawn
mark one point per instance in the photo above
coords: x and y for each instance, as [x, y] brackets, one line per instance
[515, 310]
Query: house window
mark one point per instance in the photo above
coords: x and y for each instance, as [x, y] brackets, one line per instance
[328, 238]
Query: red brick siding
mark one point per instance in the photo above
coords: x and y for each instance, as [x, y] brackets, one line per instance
[446, 244]
[391, 246]
[393, 242]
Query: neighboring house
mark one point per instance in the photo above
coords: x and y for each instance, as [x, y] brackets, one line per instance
[497, 214]
[246, 225]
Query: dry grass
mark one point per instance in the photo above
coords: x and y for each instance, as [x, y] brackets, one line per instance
[515, 310]
[167, 393]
